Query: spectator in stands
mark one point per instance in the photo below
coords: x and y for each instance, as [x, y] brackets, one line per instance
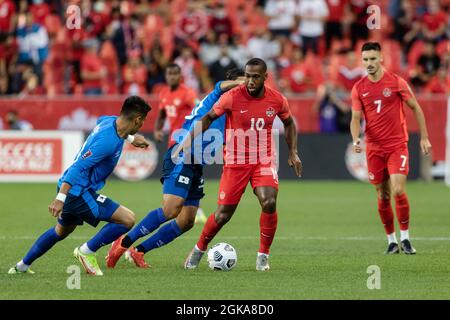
[238, 51]
[333, 26]
[297, 77]
[334, 114]
[220, 22]
[156, 63]
[440, 83]
[40, 11]
[350, 72]
[358, 27]
[32, 86]
[427, 65]
[219, 68]
[15, 123]
[209, 50]
[263, 45]
[192, 24]
[7, 11]
[313, 14]
[407, 26]
[115, 33]
[190, 68]
[434, 22]
[32, 39]
[282, 16]
[92, 70]
[134, 75]
[4, 84]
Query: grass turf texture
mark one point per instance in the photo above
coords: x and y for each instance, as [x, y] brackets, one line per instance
[329, 233]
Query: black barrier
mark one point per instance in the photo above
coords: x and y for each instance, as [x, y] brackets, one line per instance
[323, 157]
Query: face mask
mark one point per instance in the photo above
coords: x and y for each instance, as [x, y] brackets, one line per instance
[38, 1]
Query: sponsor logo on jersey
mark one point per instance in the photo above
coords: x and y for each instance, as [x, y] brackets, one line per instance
[270, 112]
[387, 92]
[86, 155]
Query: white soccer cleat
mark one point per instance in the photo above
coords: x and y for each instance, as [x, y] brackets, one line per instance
[193, 259]
[262, 262]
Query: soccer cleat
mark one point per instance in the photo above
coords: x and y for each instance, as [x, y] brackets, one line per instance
[406, 247]
[115, 252]
[88, 261]
[262, 262]
[392, 248]
[200, 216]
[14, 270]
[136, 257]
[193, 259]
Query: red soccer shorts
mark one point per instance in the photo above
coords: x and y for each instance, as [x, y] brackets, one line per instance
[234, 180]
[382, 163]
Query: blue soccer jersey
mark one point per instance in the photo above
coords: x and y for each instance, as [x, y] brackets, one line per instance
[96, 159]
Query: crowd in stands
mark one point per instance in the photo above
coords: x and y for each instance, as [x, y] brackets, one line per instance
[122, 47]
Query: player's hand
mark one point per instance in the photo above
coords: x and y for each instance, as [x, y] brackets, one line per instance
[294, 161]
[140, 141]
[357, 146]
[158, 134]
[55, 208]
[425, 145]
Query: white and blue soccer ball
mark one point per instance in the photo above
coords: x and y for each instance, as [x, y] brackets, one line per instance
[222, 257]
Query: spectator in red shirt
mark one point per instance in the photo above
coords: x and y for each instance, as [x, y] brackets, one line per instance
[220, 21]
[358, 27]
[434, 22]
[92, 70]
[40, 11]
[333, 26]
[134, 75]
[192, 24]
[350, 72]
[440, 83]
[297, 77]
[7, 11]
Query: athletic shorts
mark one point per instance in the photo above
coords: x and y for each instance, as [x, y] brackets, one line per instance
[382, 163]
[89, 207]
[183, 180]
[234, 180]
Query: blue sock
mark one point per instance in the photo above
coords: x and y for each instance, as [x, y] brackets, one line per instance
[106, 235]
[151, 221]
[42, 245]
[165, 235]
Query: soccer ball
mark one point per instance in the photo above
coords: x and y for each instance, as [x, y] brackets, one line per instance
[222, 256]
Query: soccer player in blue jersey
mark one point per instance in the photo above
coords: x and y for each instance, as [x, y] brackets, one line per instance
[182, 185]
[77, 200]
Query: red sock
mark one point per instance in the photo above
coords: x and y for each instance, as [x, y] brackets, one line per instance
[268, 226]
[386, 215]
[209, 231]
[402, 211]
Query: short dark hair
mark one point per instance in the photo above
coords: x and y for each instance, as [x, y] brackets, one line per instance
[134, 106]
[235, 73]
[371, 46]
[257, 62]
[173, 65]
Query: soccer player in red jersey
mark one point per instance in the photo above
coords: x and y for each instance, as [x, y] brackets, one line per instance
[175, 102]
[251, 109]
[380, 97]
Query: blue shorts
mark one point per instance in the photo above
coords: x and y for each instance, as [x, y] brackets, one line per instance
[88, 207]
[183, 180]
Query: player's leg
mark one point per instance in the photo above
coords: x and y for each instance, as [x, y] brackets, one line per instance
[387, 215]
[398, 166]
[44, 243]
[101, 208]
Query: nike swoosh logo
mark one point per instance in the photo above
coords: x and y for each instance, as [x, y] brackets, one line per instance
[365, 94]
[244, 111]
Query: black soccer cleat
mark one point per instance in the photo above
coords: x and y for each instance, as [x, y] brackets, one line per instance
[406, 247]
[392, 248]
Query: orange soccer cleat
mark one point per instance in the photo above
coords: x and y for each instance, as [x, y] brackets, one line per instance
[115, 252]
[132, 255]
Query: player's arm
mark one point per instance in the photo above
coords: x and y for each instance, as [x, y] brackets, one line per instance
[230, 84]
[408, 96]
[355, 123]
[56, 207]
[138, 141]
[159, 124]
[425, 144]
[290, 133]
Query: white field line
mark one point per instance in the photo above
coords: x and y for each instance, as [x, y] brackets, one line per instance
[28, 237]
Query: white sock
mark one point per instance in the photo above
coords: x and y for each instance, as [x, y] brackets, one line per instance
[404, 235]
[85, 249]
[392, 238]
[22, 266]
[198, 249]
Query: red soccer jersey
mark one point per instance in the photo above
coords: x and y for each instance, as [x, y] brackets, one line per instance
[252, 118]
[177, 104]
[382, 105]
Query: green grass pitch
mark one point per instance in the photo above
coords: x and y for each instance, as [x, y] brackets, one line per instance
[329, 233]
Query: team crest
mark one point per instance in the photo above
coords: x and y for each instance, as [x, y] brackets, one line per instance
[222, 195]
[387, 92]
[177, 102]
[371, 176]
[270, 112]
[86, 155]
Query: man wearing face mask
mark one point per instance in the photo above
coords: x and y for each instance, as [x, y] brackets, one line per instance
[219, 68]
[220, 22]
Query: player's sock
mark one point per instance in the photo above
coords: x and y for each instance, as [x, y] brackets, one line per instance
[404, 235]
[386, 215]
[84, 249]
[41, 246]
[209, 231]
[106, 235]
[402, 211]
[392, 238]
[163, 236]
[268, 227]
[151, 221]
